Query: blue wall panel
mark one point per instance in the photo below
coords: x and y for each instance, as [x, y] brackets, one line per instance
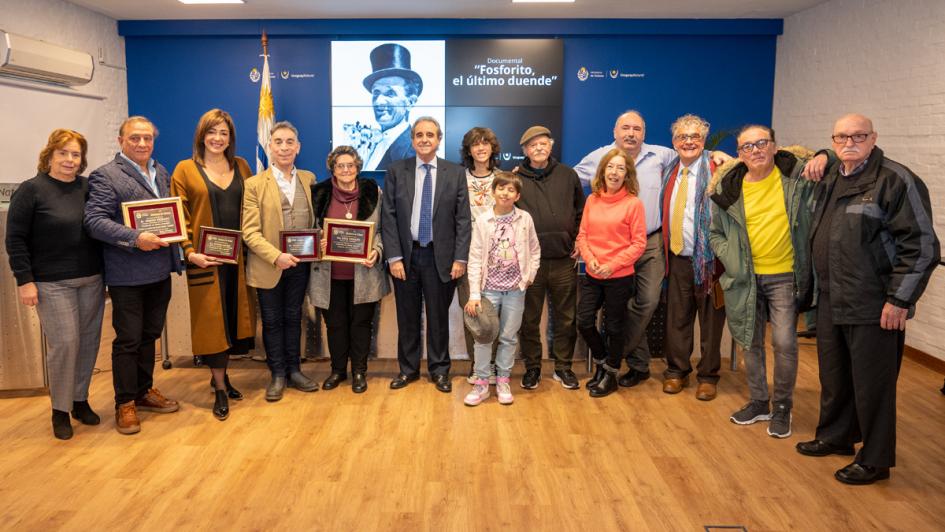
[722, 70]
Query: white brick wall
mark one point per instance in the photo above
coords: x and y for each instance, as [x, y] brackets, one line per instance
[75, 27]
[885, 59]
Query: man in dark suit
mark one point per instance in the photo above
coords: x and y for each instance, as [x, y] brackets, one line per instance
[426, 229]
[394, 89]
[137, 269]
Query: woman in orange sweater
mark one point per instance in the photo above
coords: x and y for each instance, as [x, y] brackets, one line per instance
[611, 239]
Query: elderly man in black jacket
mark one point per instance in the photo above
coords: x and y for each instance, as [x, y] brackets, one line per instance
[874, 249]
[552, 194]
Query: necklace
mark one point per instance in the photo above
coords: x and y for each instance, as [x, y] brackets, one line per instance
[348, 209]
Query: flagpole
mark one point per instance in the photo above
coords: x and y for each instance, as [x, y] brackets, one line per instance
[266, 115]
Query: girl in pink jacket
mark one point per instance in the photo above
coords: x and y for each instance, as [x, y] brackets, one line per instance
[503, 259]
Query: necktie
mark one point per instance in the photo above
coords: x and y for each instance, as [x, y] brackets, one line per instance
[425, 231]
[679, 211]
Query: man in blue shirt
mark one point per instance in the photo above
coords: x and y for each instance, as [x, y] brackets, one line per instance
[651, 162]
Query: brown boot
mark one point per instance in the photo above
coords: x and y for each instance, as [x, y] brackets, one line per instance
[154, 401]
[706, 391]
[126, 418]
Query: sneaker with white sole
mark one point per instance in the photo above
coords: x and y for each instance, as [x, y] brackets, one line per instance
[471, 379]
[752, 412]
[780, 424]
[503, 391]
[478, 394]
[567, 378]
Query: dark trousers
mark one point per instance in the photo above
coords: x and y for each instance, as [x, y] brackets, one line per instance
[859, 367]
[423, 285]
[648, 275]
[280, 308]
[349, 328]
[138, 314]
[684, 302]
[558, 278]
[613, 295]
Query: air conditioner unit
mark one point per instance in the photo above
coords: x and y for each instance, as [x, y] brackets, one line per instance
[23, 57]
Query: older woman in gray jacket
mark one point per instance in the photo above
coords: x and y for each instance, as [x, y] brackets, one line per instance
[348, 292]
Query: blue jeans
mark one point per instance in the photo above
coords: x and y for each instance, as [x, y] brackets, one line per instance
[774, 302]
[509, 305]
[280, 308]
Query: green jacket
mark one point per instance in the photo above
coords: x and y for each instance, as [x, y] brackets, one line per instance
[728, 236]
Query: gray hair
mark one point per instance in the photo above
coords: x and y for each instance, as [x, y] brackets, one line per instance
[284, 124]
[133, 119]
[690, 120]
[630, 112]
[439, 131]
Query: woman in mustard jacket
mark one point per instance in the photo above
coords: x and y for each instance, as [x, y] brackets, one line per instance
[222, 314]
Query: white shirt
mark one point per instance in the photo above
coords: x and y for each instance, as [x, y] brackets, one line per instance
[688, 231]
[387, 138]
[287, 186]
[418, 196]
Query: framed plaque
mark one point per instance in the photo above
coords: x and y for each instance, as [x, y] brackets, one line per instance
[348, 240]
[164, 217]
[302, 244]
[221, 245]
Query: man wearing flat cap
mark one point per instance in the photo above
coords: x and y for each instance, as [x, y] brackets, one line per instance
[553, 196]
[394, 89]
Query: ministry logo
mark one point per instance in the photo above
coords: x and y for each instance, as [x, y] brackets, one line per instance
[582, 74]
[614, 73]
[506, 156]
[284, 74]
[254, 75]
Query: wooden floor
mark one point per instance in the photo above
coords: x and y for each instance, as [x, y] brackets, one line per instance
[416, 459]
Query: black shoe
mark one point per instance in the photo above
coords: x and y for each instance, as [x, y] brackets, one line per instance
[231, 392]
[275, 389]
[810, 333]
[333, 381]
[632, 378]
[401, 381]
[531, 378]
[358, 383]
[567, 378]
[861, 474]
[61, 425]
[300, 382]
[84, 414]
[221, 406]
[443, 383]
[598, 375]
[606, 386]
[822, 448]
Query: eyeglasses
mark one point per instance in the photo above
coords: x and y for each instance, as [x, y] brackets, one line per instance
[345, 166]
[686, 138]
[749, 147]
[857, 137]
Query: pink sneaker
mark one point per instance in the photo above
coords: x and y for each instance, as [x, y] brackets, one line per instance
[504, 391]
[478, 394]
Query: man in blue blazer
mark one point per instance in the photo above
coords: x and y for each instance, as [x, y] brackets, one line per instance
[426, 228]
[137, 269]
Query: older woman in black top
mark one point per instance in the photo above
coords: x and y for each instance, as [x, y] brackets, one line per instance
[348, 291]
[58, 269]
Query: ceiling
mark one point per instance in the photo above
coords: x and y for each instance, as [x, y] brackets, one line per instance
[488, 9]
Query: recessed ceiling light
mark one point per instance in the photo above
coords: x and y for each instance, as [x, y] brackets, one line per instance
[211, 1]
[542, 1]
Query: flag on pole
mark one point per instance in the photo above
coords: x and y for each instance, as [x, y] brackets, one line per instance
[266, 113]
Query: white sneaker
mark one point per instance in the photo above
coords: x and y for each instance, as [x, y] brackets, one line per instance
[504, 391]
[478, 394]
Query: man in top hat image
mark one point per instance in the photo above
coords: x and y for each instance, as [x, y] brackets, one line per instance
[394, 89]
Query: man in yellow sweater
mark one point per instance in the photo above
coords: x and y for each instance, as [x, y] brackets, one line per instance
[759, 233]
